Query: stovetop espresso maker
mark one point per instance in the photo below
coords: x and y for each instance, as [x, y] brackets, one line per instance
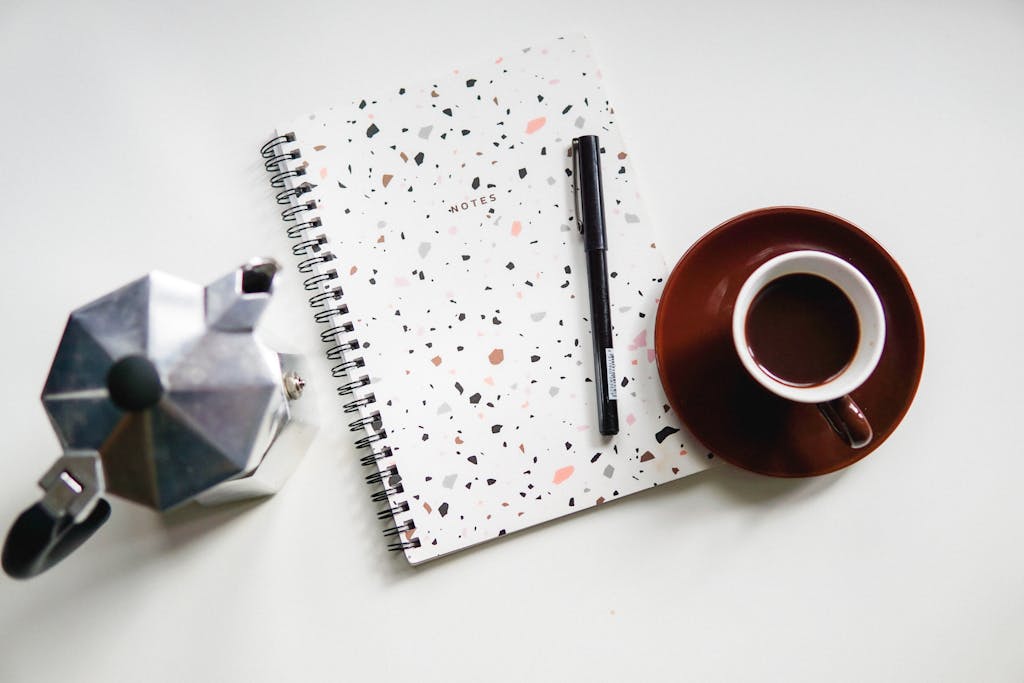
[160, 393]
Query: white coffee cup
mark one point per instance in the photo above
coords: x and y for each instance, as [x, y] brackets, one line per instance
[831, 394]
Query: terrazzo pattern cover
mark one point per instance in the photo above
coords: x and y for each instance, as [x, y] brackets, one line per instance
[448, 214]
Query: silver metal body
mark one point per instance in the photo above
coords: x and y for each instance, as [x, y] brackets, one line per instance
[232, 418]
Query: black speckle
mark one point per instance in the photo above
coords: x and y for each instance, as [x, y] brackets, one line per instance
[465, 131]
[540, 98]
[447, 110]
[401, 91]
[491, 482]
[476, 183]
[522, 173]
[362, 104]
[568, 445]
[341, 186]
[442, 509]
[543, 151]
[418, 158]
[426, 436]
[572, 502]
[501, 532]
[475, 398]
[372, 130]
[495, 320]
[471, 82]
[567, 108]
[510, 265]
[459, 388]
[664, 433]
[465, 257]
[472, 459]
[495, 429]
[596, 456]
[534, 359]
[568, 270]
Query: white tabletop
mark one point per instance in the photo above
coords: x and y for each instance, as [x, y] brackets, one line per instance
[130, 143]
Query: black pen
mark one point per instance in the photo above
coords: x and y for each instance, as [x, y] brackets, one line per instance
[586, 154]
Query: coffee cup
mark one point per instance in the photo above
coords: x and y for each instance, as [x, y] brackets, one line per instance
[809, 327]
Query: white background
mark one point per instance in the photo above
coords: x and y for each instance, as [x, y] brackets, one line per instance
[130, 136]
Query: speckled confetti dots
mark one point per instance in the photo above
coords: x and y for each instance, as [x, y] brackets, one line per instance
[450, 213]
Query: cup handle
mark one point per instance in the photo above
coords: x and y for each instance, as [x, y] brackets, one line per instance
[848, 421]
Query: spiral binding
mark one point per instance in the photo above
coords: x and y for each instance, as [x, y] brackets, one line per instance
[311, 245]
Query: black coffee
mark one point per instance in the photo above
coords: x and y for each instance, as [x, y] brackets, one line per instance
[802, 330]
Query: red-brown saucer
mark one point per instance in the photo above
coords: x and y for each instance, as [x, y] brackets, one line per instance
[734, 416]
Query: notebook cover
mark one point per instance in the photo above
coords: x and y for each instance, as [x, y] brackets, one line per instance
[450, 216]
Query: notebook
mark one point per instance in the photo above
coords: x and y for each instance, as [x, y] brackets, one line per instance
[433, 227]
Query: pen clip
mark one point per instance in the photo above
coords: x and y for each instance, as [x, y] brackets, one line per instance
[576, 183]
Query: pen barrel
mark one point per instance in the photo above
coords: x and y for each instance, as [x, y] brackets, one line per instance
[587, 149]
[601, 333]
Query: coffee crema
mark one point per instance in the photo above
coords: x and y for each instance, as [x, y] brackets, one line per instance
[802, 330]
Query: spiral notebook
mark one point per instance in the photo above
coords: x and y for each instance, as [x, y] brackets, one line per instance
[434, 230]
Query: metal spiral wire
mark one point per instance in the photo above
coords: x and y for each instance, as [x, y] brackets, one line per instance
[301, 219]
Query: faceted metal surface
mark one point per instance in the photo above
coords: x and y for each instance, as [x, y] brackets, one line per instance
[227, 310]
[224, 401]
[285, 452]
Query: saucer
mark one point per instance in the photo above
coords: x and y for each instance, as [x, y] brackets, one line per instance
[733, 415]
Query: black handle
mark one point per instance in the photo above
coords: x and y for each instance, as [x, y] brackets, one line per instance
[38, 540]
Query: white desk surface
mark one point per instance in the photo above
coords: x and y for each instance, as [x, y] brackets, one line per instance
[130, 139]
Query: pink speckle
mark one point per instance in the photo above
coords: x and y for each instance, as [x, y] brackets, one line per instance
[535, 124]
[682, 451]
[401, 282]
[650, 355]
[544, 51]
[489, 380]
[554, 81]
[639, 341]
[517, 228]
[519, 295]
[582, 428]
[630, 419]
[563, 473]
[452, 230]
[499, 60]
[323, 173]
